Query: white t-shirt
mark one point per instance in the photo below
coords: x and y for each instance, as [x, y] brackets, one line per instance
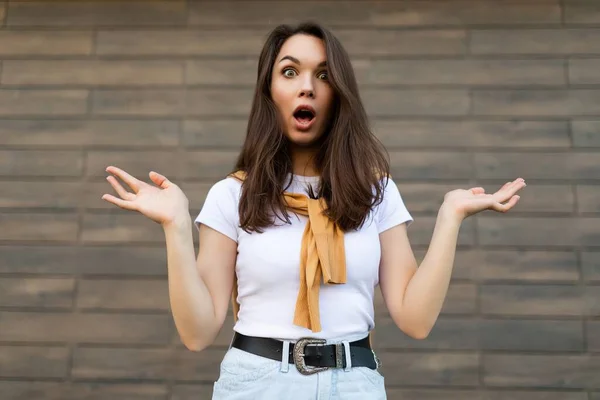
[268, 266]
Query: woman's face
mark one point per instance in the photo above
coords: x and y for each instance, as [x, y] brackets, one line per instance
[300, 89]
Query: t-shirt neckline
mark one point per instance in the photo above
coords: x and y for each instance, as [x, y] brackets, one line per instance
[304, 179]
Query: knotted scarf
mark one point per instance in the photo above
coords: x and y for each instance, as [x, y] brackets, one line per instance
[322, 256]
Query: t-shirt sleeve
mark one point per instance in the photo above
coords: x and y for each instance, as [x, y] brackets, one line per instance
[220, 209]
[392, 211]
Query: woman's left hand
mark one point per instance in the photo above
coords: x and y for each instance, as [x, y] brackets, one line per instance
[464, 203]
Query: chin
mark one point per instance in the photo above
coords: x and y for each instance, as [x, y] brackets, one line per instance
[303, 139]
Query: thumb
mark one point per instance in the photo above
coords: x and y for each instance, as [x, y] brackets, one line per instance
[159, 180]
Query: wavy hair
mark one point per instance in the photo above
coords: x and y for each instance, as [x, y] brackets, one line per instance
[350, 160]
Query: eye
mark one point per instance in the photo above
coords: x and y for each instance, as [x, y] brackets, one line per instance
[323, 75]
[289, 72]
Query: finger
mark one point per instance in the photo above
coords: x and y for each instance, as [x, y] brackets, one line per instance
[159, 179]
[477, 190]
[511, 183]
[510, 190]
[127, 205]
[504, 188]
[132, 182]
[519, 182]
[508, 205]
[118, 188]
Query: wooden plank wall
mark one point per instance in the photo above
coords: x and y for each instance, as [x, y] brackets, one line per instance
[463, 93]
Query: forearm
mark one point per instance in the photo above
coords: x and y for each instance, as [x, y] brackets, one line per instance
[191, 303]
[427, 289]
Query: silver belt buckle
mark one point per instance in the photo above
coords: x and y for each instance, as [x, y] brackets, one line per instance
[299, 361]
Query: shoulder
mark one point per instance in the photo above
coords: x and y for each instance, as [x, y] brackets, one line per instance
[224, 195]
[388, 188]
[220, 208]
[391, 210]
[228, 187]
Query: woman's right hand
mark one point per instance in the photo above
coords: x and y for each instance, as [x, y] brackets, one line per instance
[163, 203]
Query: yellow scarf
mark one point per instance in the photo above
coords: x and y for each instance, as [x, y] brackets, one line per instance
[322, 255]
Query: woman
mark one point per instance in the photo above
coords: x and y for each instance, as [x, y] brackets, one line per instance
[300, 234]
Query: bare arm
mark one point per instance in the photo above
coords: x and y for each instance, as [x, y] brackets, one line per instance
[199, 289]
[415, 296]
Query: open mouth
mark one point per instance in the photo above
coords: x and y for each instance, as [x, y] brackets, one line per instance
[304, 116]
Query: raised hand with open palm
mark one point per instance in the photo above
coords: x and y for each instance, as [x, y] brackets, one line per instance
[163, 203]
[467, 202]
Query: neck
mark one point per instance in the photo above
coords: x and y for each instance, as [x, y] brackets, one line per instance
[303, 161]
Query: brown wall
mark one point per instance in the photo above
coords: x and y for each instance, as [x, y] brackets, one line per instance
[463, 93]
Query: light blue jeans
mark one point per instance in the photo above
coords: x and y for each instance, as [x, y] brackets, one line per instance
[245, 376]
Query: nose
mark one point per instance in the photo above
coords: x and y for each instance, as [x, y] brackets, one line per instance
[307, 89]
[307, 93]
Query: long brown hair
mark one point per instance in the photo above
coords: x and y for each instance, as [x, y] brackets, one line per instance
[350, 160]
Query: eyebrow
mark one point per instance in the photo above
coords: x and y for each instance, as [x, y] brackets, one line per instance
[295, 60]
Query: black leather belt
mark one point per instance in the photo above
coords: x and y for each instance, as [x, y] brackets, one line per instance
[310, 355]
